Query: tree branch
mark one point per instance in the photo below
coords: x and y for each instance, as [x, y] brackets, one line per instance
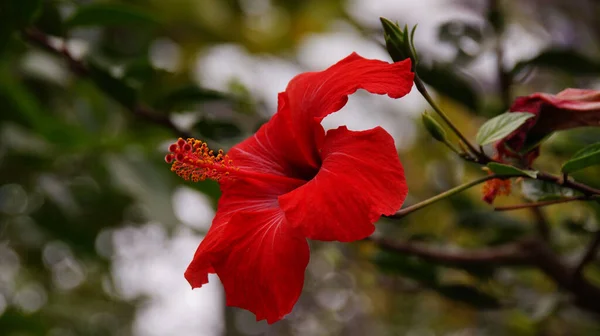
[80, 68]
[531, 251]
[509, 254]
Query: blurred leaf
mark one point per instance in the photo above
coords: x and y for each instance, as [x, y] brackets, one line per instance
[506, 170]
[406, 266]
[536, 190]
[567, 60]
[448, 83]
[501, 126]
[112, 14]
[112, 86]
[469, 295]
[587, 157]
[15, 15]
[217, 130]
[188, 95]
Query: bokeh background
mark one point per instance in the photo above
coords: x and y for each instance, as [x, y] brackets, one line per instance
[95, 232]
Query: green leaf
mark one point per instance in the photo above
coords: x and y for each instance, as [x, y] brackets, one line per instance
[567, 60]
[187, 95]
[112, 86]
[469, 295]
[506, 170]
[501, 126]
[448, 83]
[587, 157]
[111, 14]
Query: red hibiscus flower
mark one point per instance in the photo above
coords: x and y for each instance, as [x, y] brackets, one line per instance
[292, 181]
[570, 108]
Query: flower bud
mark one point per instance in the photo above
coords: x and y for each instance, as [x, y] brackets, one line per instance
[434, 128]
[398, 42]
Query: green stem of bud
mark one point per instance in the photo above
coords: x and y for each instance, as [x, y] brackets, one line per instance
[481, 157]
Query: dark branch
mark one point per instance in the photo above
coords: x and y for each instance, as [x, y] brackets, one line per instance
[81, 69]
[504, 255]
[532, 252]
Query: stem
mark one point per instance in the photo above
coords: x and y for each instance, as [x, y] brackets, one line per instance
[543, 203]
[403, 212]
[423, 90]
[452, 147]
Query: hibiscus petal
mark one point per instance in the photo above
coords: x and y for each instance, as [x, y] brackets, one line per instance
[237, 196]
[312, 96]
[275, 149]
[361, 179]
[287, 144]
[262, 269]
[317, 94]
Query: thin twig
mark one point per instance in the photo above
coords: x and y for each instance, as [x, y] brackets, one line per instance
[403, 212]
[543, 203]
[80, 68]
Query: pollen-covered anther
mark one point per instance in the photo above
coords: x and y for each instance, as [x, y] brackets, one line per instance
[193, 160]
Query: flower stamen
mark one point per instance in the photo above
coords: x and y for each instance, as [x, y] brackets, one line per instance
[192, 160]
